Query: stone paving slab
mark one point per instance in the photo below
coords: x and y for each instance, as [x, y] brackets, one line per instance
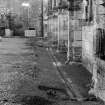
[24, 67]
[75, 74]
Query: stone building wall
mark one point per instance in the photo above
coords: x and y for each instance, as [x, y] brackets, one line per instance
[90, 42]
[52, 27]
[88, 33]
[90, 59]
[58, 26]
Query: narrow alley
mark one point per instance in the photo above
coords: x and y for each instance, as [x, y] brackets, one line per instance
[52, 52]
[28, 76]
[24, 70]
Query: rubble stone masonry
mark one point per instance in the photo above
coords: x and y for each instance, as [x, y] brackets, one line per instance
[89, 56]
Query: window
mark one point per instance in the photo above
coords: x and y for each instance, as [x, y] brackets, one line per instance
[50, 5]
[54, 3]
[100, 43]
[88, 10]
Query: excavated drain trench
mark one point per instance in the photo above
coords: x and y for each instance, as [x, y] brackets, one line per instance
[54, 93]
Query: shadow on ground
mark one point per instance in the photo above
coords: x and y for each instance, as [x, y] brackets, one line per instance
[54, 92]
[35, 100]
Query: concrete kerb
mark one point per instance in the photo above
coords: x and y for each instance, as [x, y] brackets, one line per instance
[72, 94]
[62, 79]
[70, 89]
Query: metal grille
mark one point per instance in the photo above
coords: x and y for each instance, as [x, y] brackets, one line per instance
[100, 43]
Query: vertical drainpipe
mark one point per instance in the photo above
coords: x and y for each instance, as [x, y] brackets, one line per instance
[42, 27]
[95, 11]
[28, 20]
[58, 31]
[47, 26]
[68, 39]
[50, 25]
[68, 47]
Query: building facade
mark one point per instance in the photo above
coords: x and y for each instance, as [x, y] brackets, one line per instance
[65, 27]
[84, 22]
[93, 47]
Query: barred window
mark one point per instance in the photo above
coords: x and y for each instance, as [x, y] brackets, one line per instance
[88, 10]
[100, 43]
[54, 3]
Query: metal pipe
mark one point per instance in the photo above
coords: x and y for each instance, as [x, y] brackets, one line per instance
[42, 28]
[68, 49]
[58, 31]
[28, 17]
